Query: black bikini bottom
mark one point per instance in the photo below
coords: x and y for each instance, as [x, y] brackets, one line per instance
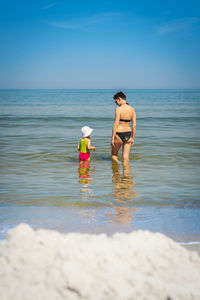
[124, 136]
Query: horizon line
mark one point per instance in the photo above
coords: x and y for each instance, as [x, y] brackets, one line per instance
[178, 88]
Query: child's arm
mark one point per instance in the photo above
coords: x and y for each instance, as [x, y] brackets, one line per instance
[89, 145]
[78, 146]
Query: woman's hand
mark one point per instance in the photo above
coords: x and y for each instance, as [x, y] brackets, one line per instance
[131, 141]
[113, 142]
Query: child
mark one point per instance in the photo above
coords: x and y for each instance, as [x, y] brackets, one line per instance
[84, 145]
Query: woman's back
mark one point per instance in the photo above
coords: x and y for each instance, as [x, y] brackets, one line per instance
[126, 116]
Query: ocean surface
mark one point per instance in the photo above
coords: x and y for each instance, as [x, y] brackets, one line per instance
[42, 183]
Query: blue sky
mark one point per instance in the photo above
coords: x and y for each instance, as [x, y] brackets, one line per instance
[100, 44]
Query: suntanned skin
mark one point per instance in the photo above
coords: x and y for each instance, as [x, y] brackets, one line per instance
[123, 111]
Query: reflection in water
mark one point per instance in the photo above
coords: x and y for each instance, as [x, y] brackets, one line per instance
[83, 170]
[84, 176]
[123, 185]
[123, 192]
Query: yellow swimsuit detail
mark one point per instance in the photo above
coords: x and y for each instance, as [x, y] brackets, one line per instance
[83, 146]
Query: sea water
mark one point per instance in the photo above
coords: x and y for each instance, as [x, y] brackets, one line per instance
[43, 184]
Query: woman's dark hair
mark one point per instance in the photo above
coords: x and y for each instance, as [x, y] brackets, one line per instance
[119, 95]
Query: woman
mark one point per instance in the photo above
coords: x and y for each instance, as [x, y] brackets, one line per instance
[122, 133]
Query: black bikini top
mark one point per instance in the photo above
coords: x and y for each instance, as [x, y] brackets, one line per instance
[123, 120]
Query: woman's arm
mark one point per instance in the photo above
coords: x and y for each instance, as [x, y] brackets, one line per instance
[78, 146]
[89, 145]
[133, 125]
[115, 125]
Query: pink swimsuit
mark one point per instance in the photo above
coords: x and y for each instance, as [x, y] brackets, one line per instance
[84, 156]
[84, 152]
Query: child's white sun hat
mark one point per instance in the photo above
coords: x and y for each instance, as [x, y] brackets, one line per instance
[86, 131]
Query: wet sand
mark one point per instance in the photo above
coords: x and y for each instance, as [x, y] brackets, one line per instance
[137, 265]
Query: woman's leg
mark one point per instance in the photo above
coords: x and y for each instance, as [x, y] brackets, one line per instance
[115, 149]
[125, 151]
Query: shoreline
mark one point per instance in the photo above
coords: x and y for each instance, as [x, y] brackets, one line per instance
[183, 225]
[79, 265]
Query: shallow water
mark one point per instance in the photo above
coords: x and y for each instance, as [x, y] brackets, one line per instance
[40, 171]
